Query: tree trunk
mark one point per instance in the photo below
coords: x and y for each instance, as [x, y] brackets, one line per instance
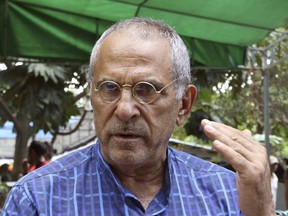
[22, 139]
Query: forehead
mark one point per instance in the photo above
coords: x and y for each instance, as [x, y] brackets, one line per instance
[122, 52]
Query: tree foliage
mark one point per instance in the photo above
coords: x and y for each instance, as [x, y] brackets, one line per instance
[34, 96]
[236, 97]
[38, 91]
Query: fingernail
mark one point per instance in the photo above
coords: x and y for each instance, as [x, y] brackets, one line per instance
[217, 144]
[205, 121]
[209, 128]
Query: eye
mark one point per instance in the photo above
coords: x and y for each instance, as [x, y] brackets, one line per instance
[109, 91]
[144, 91]
[108, 87]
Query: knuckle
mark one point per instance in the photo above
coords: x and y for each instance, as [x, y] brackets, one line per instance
[235, 137]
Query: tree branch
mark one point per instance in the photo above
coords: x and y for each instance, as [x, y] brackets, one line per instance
[76, 127]
[10, 115]
[81, 94]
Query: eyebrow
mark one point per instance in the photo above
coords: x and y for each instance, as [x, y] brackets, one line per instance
[158, 84]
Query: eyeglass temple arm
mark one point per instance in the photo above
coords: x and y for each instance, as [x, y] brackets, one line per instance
[158, 92]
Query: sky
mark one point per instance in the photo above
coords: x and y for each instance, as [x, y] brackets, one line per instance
[7, 133]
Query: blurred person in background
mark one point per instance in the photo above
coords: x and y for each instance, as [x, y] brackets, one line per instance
[286, 181]
[49, 152]
[5, 176]
[274, 163]
[5, 171]
[25, 168]
[37, 155]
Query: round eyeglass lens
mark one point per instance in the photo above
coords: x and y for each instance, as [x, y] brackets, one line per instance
[109, 91]
[144, 91]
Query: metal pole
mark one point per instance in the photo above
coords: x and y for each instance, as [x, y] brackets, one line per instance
[266, 110]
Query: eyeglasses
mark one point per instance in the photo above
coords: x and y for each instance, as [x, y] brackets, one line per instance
[143, 92]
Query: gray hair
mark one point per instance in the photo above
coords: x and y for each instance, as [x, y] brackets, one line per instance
[149, 28]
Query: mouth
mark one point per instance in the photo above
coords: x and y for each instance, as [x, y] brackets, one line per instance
[126, 135]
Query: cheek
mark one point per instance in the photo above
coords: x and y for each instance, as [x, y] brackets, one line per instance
[164, 120]
[100, 114]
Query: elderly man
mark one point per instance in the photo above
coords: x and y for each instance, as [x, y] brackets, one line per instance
[140, 90]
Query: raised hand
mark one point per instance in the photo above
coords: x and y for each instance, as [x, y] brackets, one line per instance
[249, 159]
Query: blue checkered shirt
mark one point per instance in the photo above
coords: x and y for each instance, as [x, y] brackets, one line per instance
[82, 183]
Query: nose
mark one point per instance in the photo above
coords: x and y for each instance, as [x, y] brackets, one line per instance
[126, 106]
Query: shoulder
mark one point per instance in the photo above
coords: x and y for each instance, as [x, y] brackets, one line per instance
[30, 194]
[201, 178]
[201, 166]
[206, 183]
[62, 165]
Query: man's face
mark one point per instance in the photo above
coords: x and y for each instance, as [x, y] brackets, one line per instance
[131, 133]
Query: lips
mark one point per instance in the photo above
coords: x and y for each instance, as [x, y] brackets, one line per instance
[127, 135]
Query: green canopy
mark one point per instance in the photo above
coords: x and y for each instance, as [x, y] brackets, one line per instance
[217, 32]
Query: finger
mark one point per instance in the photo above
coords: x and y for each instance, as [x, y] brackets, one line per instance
[227, 133]
[238, 162]
[245, 145]
[247, 133]
[248, 169]
[231, 147]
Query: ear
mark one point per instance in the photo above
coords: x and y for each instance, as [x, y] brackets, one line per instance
[186, 104]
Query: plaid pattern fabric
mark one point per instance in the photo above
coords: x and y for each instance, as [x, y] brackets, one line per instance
[82, 183]
[282, 213]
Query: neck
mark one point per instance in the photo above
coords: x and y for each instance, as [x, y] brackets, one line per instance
[143, 182]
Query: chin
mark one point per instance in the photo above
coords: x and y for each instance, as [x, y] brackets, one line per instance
[126, 158]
